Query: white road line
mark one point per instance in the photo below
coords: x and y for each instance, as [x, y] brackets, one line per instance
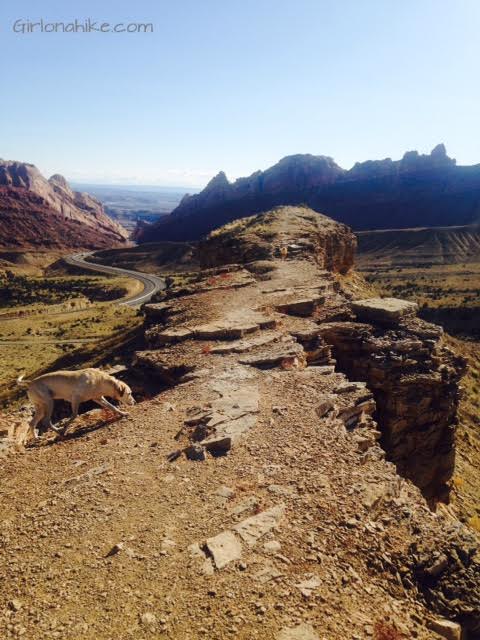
[151, 283]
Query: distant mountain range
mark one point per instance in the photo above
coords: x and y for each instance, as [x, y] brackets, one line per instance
[48, 214]
[418, 190]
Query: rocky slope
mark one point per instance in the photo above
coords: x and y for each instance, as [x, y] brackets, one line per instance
[416, 247]
[426, 190]
[251, 498]
[35, 212]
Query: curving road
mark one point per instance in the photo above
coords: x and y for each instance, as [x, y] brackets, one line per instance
[151, 283]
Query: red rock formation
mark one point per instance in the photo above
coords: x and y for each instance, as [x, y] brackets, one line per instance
[36, 212]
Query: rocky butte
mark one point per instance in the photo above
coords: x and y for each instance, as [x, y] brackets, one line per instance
[417, 190]
[35, 212]
[289, 481]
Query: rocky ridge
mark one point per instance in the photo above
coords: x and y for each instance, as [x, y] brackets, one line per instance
[48, 213]
[252, 497]
[417, 190]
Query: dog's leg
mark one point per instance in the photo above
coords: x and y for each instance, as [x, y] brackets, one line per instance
[48, 415]
[75, 402]
[38, 415]
[103, 402]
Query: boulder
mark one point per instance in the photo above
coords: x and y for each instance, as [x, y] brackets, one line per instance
[383, 310]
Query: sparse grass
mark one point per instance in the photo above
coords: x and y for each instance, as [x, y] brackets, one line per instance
[453, 285]
[20, 290]
[255, 224]
[31, 343]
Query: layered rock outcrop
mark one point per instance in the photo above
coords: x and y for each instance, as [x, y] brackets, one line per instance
[369, 367]
[415, 382]
[36, 212]
[418, 190]
[265, 236]
[255, 482]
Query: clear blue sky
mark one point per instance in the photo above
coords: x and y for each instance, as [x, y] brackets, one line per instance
[236, 85]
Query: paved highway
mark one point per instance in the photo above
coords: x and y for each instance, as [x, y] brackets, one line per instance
[151, 283]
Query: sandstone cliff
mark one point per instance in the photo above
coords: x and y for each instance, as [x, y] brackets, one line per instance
[418, 190]
[36, 212]
[254, 496]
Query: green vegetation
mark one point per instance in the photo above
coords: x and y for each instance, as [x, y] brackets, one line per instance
[43, 338]
[19, 290]
[435, 287]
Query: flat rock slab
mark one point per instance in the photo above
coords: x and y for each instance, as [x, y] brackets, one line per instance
[240, 346]
[302, 307]
[224, 330]
[446, 629]
[252, 529]
[274, 356]
[300, 632]
[224, 548]
[176, 334]
[383, 310]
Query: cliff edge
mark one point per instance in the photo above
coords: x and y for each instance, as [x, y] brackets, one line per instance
[271, 489]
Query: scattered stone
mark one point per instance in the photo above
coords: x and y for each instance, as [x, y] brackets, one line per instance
[15, 605]
[224, 548]
[115, 549]
[196, 452]
[300, 632]
[166, 546]
[266, 574]
[248, 504]
[148, 619]
[272, 546]
[326, 405]
[307, 587]
[438, 567]
[253, 528]
[218, 446]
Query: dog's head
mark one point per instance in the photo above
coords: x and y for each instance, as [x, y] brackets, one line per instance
[123, 393]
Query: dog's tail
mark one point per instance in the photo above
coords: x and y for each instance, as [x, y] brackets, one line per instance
[21, 381]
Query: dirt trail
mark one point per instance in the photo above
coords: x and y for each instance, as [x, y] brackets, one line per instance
[290, 525]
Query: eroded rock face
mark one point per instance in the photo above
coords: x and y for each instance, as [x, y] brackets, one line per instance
[36, 211]
[298, 232]
[426, 190]
[414, 379]
[371, 369]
